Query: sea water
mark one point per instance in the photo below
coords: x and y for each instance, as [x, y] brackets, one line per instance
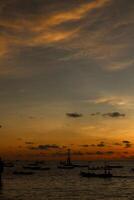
[59, 184]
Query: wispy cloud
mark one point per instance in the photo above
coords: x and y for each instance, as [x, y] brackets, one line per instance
[112, 100]
[25, 27]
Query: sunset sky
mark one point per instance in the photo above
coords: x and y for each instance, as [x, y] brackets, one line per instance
[67, 78]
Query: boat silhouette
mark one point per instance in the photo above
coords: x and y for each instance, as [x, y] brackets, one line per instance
[37, 168]
[105, 174]
[23, 173]
[66, 164]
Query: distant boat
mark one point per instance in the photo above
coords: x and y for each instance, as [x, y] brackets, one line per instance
[116, 166]
[37, 168]
[67, 164]
[106, 174]
[9, 164]
[22, 173]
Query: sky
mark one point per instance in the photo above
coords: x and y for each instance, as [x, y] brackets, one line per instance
[66, 79]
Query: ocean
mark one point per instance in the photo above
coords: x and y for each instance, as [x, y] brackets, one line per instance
[60, 184]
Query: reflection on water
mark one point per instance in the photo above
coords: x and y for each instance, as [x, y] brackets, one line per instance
[58, 184]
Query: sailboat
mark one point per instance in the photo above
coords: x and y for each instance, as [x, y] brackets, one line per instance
[66, 164]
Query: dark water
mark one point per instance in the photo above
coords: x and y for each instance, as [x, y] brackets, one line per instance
[67, 185]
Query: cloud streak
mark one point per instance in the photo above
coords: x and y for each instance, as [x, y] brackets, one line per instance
[74, 115]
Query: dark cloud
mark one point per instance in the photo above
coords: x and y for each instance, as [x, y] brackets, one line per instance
[104, 153]
[74, 115]
[127, 144]
[0, 126]
[45, 147]
[110, 114]
[114, 114]
[101, 144]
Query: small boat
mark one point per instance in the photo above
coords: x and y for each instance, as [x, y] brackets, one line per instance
[116, 166]
[37, 168]
[106, 174]
[22, 173]
[9, 164]
[67, 164]
[101, 175]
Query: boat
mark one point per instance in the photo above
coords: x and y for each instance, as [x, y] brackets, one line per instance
[106, 174]
[9, 164]
[23, 173]
[116, 166]
[37, 168]
[67, 164]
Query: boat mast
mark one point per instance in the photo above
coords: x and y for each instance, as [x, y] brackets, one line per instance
[69, 157]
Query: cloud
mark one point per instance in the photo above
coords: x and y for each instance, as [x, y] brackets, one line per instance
[104, 37]
[104, 153]
[110, 114]
[45, 147]
[27, 28]
[110, 100]
[114, 114]
[101, 144]
[116, 101]
[40, 24]
[84, 29]
[74, 115]
[127, 143]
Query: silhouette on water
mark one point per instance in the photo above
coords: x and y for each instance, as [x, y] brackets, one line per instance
[106, 174]
[67, 164]
[1, 169]
[1, 172]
